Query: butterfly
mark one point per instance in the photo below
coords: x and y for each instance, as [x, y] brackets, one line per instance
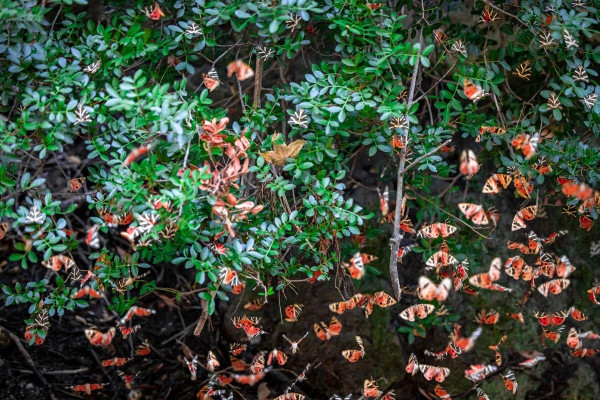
[468, 163]
[478, 372]
[523, 186]
[91, 239]
[87, 291]
[292, 312]
[97, 338]
[55, 263]
[155, 13]
[430, 372]
[552, 335]
[136, 153]
[143, 349]
[435, 230]
[574, 339]
[403, 251]
[127, 378]
[441, 393]
[76, 184]
[258, 364]
[380, 299]
[527, 144]
[525, 214]
[136, 311]
[125, 331]
[290, 396]
[249, 380]
[472, 91]
[242, 70]
[517, 267]
[294, 345]
[428, 290]
[496, 349]
[325, 332]
[488, 15]
[594, 291]
[384, 205]
[370, 389]
[586, 223]
[474, 212]
[115, 362]
[228, 276]
[510, 382]
[299, 119]
[248, 324]
[439, 36]
[211, 362]
[192, 365]
[356, 266]
[254, 305]
[3, 229]
[532, 362]
[418, 310]
[413, 365]
[523, 71]
[463, 344]
[88, 388]
[545, 319]
[555, 286]
[490, 317]
[584, 352]
[35, 216]
[355, 355]
[496, 183]
[211, 80]
[576, 314]
[237, 348]
[440, 259]
[485, 280]
[542, 166]
[277, 355]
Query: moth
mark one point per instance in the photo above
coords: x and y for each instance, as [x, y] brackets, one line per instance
[523, 71]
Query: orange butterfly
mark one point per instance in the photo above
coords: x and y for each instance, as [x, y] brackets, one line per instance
[418, 310]
[413, 365]
[325, 332]
[472, 91]
[211, 362]
[574, 340]
[87, 291]
[441, 393]
[524, 188]
[126, 331]
[545, 319]
[115, 362]
[435, 230]
[135, 153]
[485, 280]
[481, 395]
[553, 336]
[494, 130]
[370, 389]
[440, 259]
[355, 355]
[237, 348]
[75, 184]
[155, 13]
[97, 338]
[468, 163]
[258, 364]
[254, 305]
[428, 290]
[496, 349]
[525, 214]
[577, 315]
[516, 266]
[555, 286]
[356, 266]
[430, 372]
[3, 229]
[242, 70]
[474, 212]
[496, 183]
[249, 380]
[464, 344]
[542, 166]
[584, 352]
[527, 144]
[143, 349]
[487, 318]
[88, 388]
[532, 362]
[211, 80]
[290, 396]
[478, 372]
[292, 312]
[510, 382]
[248, 324]
[381, 299]
[55, 263]
[277, 355]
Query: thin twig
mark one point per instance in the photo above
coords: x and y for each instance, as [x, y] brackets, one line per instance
[424, 156]
[257, 81]
[397, 235]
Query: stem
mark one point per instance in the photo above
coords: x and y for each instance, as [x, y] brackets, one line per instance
[397, 235]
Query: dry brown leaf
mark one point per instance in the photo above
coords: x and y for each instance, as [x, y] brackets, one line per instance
[281, 152]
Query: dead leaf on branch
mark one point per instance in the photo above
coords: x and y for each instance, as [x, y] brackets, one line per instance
[281, 152]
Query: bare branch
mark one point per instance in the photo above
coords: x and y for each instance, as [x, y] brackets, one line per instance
[424, 156]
